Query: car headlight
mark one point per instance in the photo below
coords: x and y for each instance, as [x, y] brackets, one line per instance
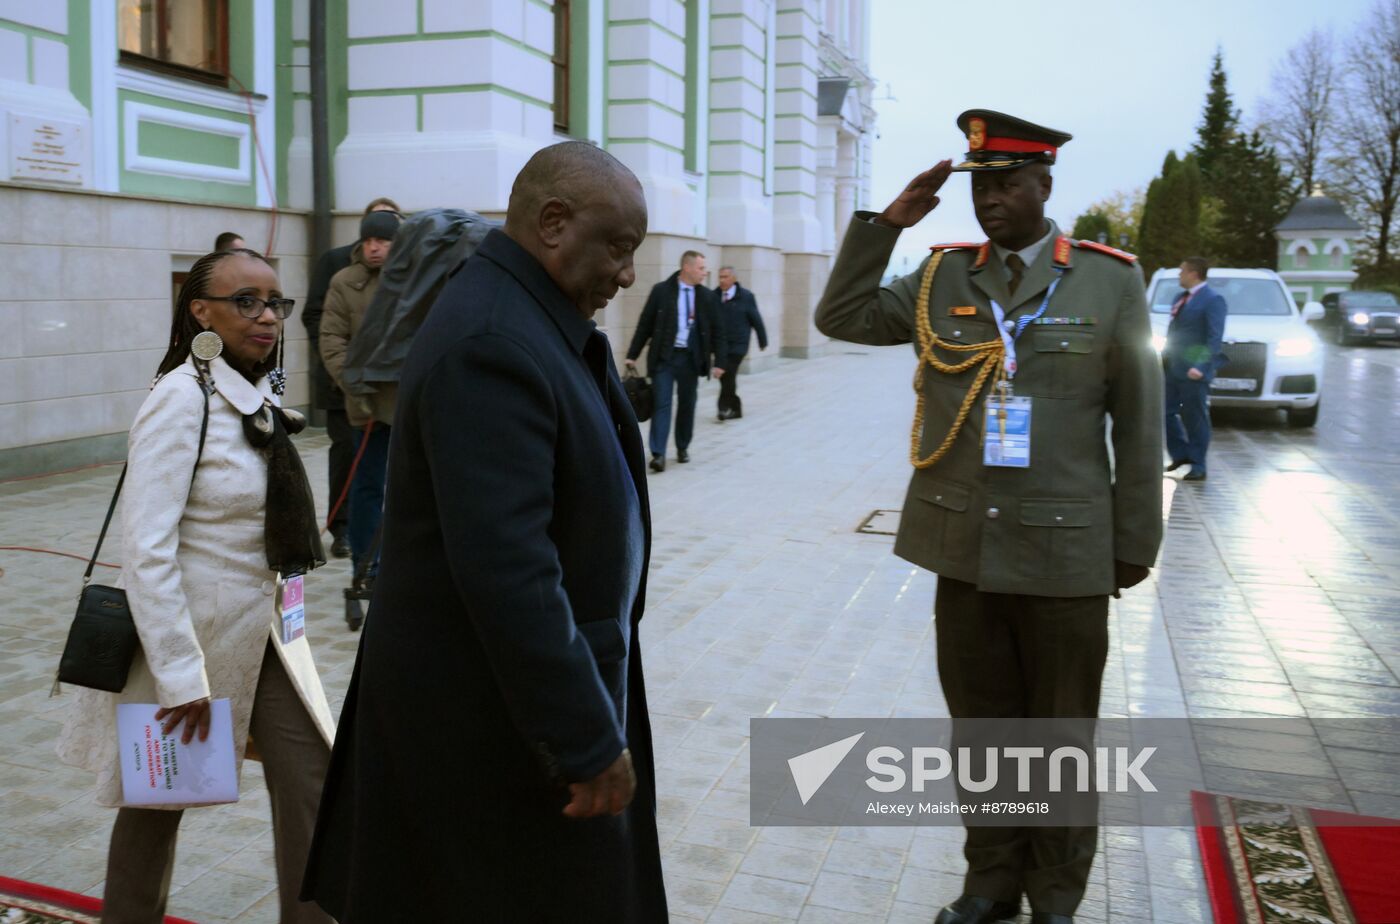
[1361, 319]
[1295, 346]
[1159, 342]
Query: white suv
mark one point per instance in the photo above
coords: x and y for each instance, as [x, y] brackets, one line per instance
[1273, 359]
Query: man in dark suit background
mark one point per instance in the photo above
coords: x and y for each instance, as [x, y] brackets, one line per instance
[687, 341]
[739, 314]
[494, 758]
[324, 393]
[1189, 360]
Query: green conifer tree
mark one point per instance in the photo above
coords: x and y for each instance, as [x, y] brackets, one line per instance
[1220, 120]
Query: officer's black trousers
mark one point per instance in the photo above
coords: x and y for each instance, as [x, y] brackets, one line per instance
[1021, 656]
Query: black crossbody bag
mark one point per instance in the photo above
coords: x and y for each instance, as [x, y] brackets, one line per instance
[102, 641]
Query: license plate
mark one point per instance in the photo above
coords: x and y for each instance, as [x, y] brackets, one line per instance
[1234, 384]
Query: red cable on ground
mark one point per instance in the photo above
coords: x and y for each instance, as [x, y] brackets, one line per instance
[354, 464]
[64, 471]
[25, 548]
[262, 161]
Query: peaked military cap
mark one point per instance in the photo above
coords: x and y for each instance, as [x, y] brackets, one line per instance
[997, 141]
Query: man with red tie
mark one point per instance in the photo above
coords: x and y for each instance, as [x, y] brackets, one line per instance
[687, 341]
[1189, 360]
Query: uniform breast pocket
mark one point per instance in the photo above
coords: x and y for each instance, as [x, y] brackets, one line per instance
[1065, 362]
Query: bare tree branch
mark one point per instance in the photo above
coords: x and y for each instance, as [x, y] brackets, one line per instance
[1366, 168]
[1298, 113]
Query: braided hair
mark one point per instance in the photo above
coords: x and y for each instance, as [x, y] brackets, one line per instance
[184, 325]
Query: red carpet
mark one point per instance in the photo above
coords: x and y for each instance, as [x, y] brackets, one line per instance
[37, 904]
[1266, 862]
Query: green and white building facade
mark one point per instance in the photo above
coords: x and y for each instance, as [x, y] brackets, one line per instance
[1317, 243]
[135, 131]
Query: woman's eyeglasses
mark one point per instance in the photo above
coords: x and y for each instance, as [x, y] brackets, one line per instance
[252, 307]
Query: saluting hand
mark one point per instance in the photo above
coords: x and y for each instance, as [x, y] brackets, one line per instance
[918, 199]
[608, 793]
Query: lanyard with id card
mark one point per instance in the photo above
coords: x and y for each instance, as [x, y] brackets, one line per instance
[291, 608]
[1006, 438]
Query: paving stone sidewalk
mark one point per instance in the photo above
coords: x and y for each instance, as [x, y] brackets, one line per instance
[1277, 597]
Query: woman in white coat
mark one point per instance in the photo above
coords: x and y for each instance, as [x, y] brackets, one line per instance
[202, 550]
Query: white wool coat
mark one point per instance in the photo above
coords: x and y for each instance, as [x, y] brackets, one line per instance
[195, 572]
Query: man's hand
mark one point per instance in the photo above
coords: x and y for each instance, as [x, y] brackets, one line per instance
[717, 372]
[194, 715]
[1195, 374]
[630, 363]
[608, 793]
[1126, 575]
[918, 199]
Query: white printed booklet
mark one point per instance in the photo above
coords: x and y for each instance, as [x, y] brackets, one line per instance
[158, 769]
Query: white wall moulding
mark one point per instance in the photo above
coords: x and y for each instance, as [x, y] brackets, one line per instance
[185, 91]
[470, 170]
[135, 114]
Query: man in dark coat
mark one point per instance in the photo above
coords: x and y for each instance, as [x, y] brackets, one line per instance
[324, 394]
[687, 341]
[1189, 360]
[738, 312]
[494, 758]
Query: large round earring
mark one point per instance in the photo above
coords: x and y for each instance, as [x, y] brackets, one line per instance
[206, 346]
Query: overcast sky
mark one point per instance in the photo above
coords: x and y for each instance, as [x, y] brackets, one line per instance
[1127, 79]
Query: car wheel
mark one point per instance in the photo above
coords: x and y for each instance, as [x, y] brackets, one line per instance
[1342, 338]
[1304, 416]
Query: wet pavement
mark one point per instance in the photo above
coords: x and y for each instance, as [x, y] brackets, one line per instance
[1277, 595]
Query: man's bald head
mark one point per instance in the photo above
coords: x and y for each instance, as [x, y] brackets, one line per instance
[574, 171]
[581, 213]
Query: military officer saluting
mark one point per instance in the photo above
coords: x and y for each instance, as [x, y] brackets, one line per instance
[1029, 345]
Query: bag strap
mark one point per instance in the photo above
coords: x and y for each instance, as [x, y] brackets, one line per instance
[111, 507]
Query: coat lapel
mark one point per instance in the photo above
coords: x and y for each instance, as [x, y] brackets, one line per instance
[990, 279]
[1037, 279]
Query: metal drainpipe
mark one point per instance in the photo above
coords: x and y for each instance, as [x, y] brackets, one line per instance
[320, 155]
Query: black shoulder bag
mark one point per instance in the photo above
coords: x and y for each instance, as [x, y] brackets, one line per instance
[639, 395]
[102, 640]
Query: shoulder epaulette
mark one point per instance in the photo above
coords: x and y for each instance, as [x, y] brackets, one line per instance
[964, 245]
[1111, 251]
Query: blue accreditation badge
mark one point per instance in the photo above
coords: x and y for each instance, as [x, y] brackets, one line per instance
[1006, 441]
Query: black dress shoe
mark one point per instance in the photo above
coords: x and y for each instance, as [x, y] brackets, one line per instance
[974, 909]
[1049, 917]
[1195, 476]
[1176, 465]
[682, 455]
[340, 548]
[658, 463]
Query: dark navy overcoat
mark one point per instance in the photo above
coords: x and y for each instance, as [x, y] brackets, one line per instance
[500, 658]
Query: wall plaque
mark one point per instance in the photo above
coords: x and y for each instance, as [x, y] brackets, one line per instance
[49, 151]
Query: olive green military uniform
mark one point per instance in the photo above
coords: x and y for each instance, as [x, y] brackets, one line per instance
[1025, 556]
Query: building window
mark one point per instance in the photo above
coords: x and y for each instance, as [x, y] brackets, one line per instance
[1300, 259]
[188, 38]
[561, 66]
[1336, 258]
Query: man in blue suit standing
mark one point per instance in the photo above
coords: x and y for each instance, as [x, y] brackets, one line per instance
[1189, 360]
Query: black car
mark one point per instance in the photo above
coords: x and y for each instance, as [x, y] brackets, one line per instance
[1361, 316]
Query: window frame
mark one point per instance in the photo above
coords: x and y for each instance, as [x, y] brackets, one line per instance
[220, 78]
[560, 63]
